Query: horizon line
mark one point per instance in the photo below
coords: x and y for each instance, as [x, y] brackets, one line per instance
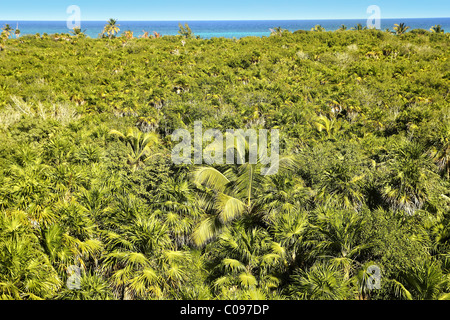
[200, 20]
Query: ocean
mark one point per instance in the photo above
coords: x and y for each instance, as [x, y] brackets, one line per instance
[210, 29]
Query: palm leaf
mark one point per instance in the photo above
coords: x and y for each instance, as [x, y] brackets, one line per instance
[229, 208]
[211, 177]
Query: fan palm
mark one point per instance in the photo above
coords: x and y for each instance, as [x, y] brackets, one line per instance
[247, 262]
[92, 287]
[329, 126]
[321, 282]
[440, 152]
[25, 271]
[141, 261]
[425, 282]
[141, 145]
[341, 184]
[411, 180]
[338, 233]
[176, 204]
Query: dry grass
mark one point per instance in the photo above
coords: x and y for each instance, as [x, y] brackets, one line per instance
[63, 113]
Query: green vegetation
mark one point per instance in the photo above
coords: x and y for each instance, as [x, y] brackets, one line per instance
[86, 177]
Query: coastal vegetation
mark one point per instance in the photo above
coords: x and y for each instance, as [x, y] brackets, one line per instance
[87, 181]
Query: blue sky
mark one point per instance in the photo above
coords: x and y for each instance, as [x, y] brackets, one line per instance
[220, 9]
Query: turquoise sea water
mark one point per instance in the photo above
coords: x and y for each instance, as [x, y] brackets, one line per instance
[210, 29]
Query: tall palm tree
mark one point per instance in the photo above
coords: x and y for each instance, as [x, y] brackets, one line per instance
[7, 30]
[111, 28]
[359, 27]
[77, 32]
[145, 34]
[400, 28]
[437, 29]
[234, 193]
[318, 28]
[185, 31]
[278, 31]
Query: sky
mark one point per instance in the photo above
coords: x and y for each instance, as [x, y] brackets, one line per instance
[187, 10]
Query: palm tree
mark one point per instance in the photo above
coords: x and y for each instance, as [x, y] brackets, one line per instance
[400, 28]
[290, 230]
[17, 33]
[76, 31]
[145, 34]
[7, 31]
[440, 152]
[318, 28]
[425, 282]
[359, 27]
[321, 282]
[411, 178]
[141, 260]
[141, 145]
[111, 28]
[128, 34]
[92, 287]
[437, 29]
[342, 185]
[25, 271]
[176, 204]
[185, 31]
[237, 192]
[330, 127]
[246, 263]
[278, 31]
[343, 27]
[337, 239]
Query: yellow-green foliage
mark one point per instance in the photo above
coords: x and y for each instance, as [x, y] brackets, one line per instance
[86, 177]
